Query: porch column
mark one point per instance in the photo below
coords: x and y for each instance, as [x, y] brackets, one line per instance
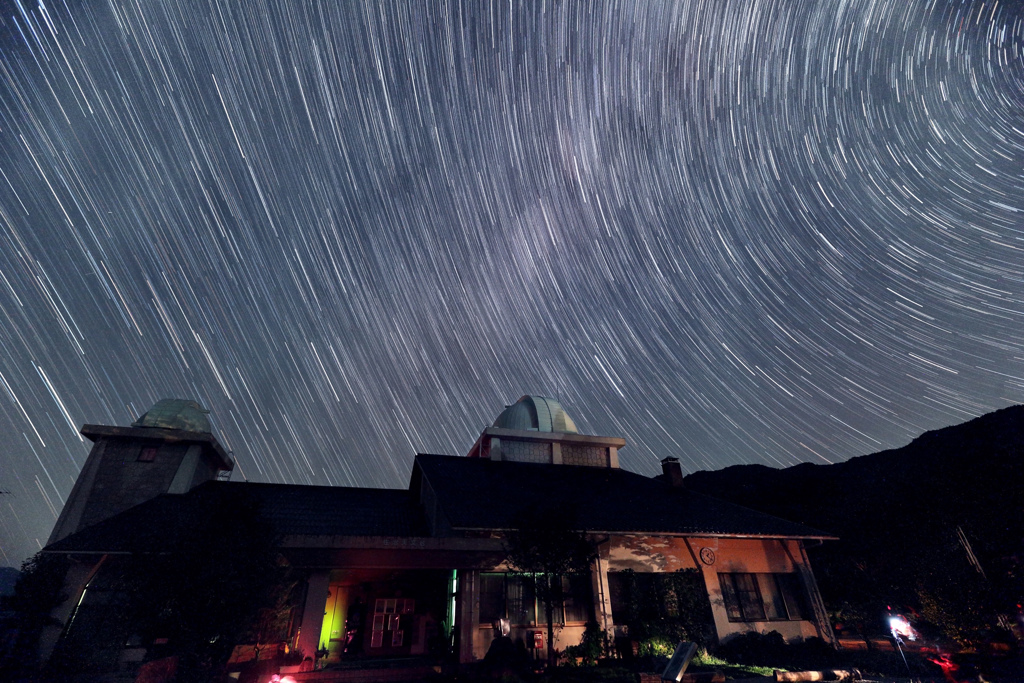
[469, 611]
[317, 588]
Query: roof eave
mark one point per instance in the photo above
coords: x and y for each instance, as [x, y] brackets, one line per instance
[91, 431]
[680, 534]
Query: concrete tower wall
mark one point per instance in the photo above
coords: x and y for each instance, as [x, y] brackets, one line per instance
[130, 465]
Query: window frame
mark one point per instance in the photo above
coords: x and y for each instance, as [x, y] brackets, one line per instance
[744, 599]
[536, 610]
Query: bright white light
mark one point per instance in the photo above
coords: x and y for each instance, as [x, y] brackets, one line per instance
[901, 627]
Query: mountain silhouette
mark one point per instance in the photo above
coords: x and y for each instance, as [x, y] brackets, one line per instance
[914, 524]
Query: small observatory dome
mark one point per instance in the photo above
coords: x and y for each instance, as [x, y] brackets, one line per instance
[536, 414]
[176, 413]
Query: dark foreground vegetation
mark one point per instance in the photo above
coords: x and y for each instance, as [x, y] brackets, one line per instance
[220, 582]
[759, 655]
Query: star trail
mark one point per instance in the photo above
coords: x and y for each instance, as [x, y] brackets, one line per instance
[730, 231]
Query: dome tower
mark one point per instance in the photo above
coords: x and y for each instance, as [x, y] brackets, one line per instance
[537, 429]
[169, 449]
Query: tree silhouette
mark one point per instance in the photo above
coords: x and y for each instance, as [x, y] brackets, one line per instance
[193, 598]
[546, 547]
[27, 612]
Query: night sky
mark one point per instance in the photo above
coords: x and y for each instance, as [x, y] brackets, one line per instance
[731, 231]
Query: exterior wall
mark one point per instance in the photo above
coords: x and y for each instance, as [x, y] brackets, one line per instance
[587, 456]
[754, 556]
[435, 517]
[524, 451]
[665, 554]
[554, 452]
[205, 469]
[115, 479]
[556, 448]
[123, 482]
[657, 554]
[71, 514]
[649, 554]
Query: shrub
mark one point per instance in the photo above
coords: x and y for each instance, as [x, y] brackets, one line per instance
[591, 647]
[27, 611]
[813, 654]
[663, 609]
[598, 674]
[753, 648]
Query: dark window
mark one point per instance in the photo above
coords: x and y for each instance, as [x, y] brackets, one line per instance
[651, 596]
[147, 454]
[619, 595]
[763, 597]
[492, 598]
[774, 605]
[514, 597]
[577, 599]
[730, 597]
[746, 587]
[521, 600]
[794, 595]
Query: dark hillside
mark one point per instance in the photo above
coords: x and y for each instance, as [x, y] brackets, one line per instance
[897, 513]
[8, 577]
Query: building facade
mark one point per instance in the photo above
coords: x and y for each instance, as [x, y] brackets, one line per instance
[422, 571]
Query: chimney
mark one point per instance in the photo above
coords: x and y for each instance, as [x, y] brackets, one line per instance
[672, 472]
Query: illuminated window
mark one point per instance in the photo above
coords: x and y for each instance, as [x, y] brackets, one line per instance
[763, 597]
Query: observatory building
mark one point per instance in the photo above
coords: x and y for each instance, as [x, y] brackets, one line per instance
[422, 571]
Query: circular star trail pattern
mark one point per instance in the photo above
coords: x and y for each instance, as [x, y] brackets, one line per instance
[731, 231]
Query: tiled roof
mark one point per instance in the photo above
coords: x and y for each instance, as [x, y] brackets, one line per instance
[476, 493]
[289, 509]
[339, 511]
